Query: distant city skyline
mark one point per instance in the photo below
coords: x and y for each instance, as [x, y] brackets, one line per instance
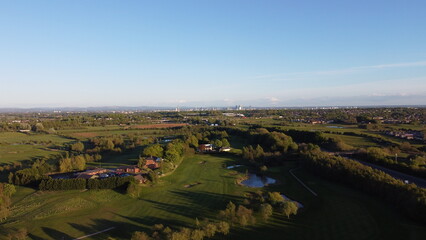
[212, 53]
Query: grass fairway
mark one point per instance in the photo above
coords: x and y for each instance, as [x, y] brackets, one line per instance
[337, 213]
[70, 214]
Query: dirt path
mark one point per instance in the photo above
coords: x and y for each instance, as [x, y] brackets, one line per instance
[300, 181]
[96, 233]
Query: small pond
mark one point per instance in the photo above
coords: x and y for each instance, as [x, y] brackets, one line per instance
[255, 180]
[233, 166]
[299, 205]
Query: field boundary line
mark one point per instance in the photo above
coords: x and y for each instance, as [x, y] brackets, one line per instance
[93, 234]
[300, 181]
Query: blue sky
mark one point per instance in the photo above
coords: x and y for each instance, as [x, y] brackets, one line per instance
[212, 53]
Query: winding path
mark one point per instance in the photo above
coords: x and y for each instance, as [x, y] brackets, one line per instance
[300, 181]
[93, 234]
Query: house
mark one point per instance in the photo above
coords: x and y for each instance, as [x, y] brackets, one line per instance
[205, 147]
[151, 164]
[224, 149]
[156, 159]
[140, 179]
[128, 169]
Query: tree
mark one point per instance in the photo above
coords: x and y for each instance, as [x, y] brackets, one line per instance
[193, 141]
[141, 162]
[153, 150]
[266, 211]
[172, 155]
[197, 234]
[217, 143]
[79, 162]
[65, 165]
[38, 127]
[132, 190]
[289, 208]
[225, 143]
[210, 230]
[140, 236]
[78, 147]
[275, 197]
[109, 145]
[223, 227]
[9, 189]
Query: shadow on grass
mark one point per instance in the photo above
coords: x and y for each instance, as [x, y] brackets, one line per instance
[196, 204]
[148, 222]
[123, 230]
[54, 234]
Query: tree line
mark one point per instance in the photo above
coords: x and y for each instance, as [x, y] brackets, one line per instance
[51, 184]
[408, 198]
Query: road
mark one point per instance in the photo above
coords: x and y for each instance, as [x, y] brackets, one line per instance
[398, 175]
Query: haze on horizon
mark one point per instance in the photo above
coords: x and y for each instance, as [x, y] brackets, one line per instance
[212, 53]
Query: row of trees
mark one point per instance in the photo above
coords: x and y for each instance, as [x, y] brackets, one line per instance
[80, 184]
[268, 147]
[409, 198]
[413, 164]
[203, 230]
[6, 192]
[231, 216]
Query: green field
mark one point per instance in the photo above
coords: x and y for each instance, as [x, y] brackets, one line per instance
[21, 152]
[110, 130]
[354, 141]
[337, 213]
[16, 146]
[16, 137]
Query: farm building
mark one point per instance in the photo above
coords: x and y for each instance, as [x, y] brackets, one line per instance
[151, 164]
[86, 176]
[140, 179]
[128, 169]
[224, 149]
[205, 147]
[95, 171]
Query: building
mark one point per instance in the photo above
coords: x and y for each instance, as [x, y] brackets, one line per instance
[95, 171]
[151, 164]
[224, 149]
[128, 169]
[86, 176]
[140, 179]
[205, 147]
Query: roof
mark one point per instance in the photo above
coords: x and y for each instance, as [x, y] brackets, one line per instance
[127, 167]
[84, 176]
[139, 177]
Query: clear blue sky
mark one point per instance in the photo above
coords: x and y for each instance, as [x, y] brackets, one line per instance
[212, 53]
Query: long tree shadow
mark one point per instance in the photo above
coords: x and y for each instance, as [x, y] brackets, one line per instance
[55, 234]
[34, 237]
[196, 204]
[121, 229]
[206, 200]
[183, 210]
[145, 223]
